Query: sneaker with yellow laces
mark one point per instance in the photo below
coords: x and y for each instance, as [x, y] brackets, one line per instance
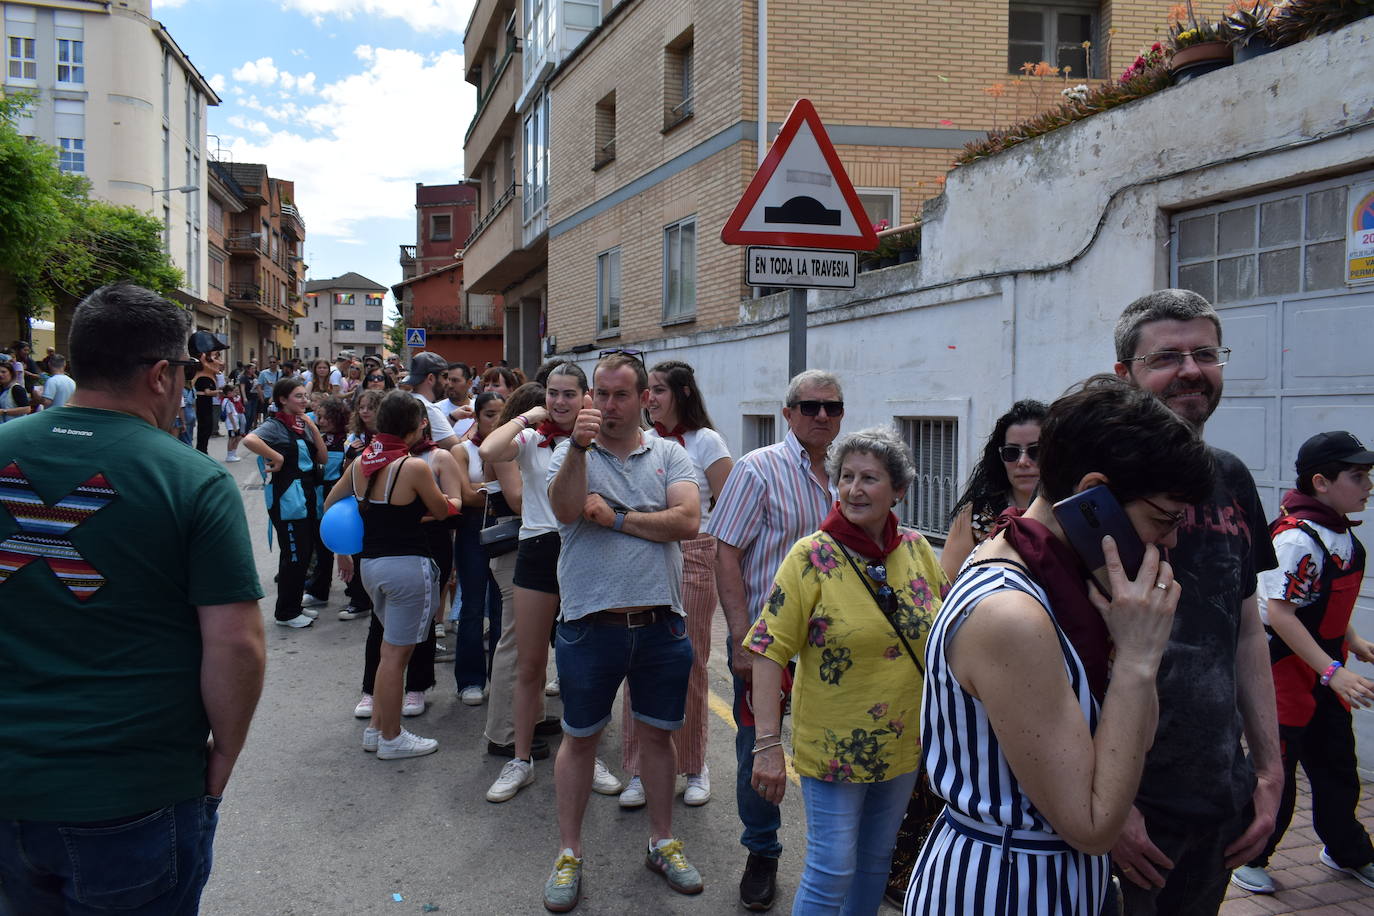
[666, 858]
[563, 890]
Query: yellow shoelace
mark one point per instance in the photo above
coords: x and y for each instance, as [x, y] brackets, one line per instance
[672, 852]
[565, 870]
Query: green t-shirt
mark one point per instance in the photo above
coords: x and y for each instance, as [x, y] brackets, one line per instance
[113, 532]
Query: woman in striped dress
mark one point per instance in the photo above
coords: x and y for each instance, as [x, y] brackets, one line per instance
[1036, 752]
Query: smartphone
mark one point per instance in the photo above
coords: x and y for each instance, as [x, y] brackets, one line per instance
[1089, 516]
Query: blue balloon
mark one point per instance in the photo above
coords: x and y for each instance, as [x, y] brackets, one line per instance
[341, 529]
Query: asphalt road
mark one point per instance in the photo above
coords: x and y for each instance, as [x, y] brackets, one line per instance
[312, 825]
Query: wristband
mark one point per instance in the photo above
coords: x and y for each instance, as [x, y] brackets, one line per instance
[524, 422]
[619, 521]
[758, 750]
[1330, 672]
[580, 448]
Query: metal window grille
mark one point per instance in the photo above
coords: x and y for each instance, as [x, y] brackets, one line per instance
[759, 430]
[931, 496]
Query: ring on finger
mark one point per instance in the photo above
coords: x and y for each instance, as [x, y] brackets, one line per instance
[1160, 583]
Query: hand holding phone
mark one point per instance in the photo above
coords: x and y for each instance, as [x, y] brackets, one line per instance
[1088, 517]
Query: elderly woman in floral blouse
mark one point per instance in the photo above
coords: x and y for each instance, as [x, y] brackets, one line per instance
[853, 602]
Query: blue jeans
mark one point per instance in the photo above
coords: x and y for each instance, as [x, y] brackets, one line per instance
[851, 828]
[761, 819]
[472, 661]
[154, 864]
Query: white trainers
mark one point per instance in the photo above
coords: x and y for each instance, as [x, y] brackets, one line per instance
[414, 703]
[439, 630]
[364, 708]
[515, 775]
[551, 688]
[698, 790]
[472, 696]
[405, 745]
[633, 796]
[312, 601]
[604, 782]
[370, 738]
[1253, 879]
[300, 621]
[310, 612]
[1364, 874]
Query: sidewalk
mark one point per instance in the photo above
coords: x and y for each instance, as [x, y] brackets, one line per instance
[1305, 885]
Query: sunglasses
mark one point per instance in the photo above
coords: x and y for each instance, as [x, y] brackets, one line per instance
[1013, 453]
[635, 354]
[813, 408]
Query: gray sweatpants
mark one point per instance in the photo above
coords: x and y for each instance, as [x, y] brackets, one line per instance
[404, 593]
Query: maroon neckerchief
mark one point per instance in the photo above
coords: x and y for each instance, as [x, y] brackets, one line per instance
[292, 421]
[678, 432]
[858, 540]
[424, 445]
[1311, 509]
[550, 431]
[476, 438]
[1058, 570]
[381, 451]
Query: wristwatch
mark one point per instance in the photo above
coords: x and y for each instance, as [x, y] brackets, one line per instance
[619, 521]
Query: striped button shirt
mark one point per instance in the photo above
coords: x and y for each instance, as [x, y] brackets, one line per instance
[770, 501]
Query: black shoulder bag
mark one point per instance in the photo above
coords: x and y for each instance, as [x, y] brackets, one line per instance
[883, 606]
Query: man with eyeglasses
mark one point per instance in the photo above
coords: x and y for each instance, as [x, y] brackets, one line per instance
[109, 789]
[773, 497]
[1204, 807]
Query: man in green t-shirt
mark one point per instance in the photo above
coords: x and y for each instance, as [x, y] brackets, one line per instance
[131, 651]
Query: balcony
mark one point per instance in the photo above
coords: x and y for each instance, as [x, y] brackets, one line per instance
[495, 255]
[249, 299]
[251, 244]
[493, 23]
[291, 222]
[495, 117]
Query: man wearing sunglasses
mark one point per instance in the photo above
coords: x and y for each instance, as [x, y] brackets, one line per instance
[109, 789]
[773, 497]
[1204, 807]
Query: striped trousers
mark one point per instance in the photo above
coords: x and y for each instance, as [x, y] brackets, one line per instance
[699, 601]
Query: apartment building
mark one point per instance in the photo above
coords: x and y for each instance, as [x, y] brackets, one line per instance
[263, 243]
[126, 108]
[653, 131]
[342, 314]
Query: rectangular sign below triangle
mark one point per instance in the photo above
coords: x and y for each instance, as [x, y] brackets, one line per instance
[801, 196]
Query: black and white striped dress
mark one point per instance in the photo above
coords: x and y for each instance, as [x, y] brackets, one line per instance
[991, 851]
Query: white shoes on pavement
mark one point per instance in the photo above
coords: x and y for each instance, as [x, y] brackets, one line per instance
[403, 745]
[515, 775]
[633, 796]
[472, 696]
[310, 601]
[698, 791]
[414, 703]
[364, 708]
[551, 688]
[300, 621]
[604, 782]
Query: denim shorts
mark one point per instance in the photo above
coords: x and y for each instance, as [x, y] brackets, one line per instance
[536, 563]
[594, 659]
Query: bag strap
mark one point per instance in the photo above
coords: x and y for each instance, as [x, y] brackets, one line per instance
[863, 577]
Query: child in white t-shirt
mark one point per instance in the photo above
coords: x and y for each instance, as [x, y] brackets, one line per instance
[231, 405]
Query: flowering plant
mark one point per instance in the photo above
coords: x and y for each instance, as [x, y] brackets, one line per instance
[1186, 30]
[1150, 59]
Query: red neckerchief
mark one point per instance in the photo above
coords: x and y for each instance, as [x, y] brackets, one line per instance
[381, 451]
[678, 432]
[476, 438]
[550, 431]
[858, 540]
[424, 445]
[1054, 565]
[292, 421]
[1311, 509]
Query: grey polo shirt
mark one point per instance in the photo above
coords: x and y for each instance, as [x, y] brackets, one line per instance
[600, 568]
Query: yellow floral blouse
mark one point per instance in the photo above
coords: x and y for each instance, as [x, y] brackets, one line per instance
[856, 700]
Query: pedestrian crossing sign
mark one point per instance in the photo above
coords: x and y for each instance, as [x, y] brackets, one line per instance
[415, 337]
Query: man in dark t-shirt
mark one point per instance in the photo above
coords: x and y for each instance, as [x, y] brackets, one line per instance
[1203, 806]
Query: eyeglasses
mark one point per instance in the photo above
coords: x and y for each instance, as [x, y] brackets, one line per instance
[634, 354]
[1175, 518]
[813, 408]
[375, 378]
[1160, 360]
[1012, 453]
[878, 573]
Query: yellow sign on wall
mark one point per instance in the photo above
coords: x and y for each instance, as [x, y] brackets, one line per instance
[1359, 245]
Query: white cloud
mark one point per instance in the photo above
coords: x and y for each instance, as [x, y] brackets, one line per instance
[356, 153]
[421, 15]
[260, 72]
[218, 82]
[166, 4]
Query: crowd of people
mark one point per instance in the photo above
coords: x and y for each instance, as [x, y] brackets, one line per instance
[1012, 725]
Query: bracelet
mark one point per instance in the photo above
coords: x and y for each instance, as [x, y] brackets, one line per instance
[758, 750]
[524, 423]
[758, 737]
[1330, 672]
[581, 448]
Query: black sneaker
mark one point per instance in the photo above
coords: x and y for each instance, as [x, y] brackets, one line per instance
[539, 749]
[759, 884]
[551, 725]
[353, 613]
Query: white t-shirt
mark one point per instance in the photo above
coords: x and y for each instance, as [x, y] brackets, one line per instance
[705, 447]
[460, 427]
[439, 428]
[335, 377]
[59, 388]
[1296, 577]
[536, 512]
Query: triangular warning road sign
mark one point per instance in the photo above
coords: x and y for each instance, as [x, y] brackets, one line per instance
[801, 197]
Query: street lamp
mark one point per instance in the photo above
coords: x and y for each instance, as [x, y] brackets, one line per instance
[185, 189]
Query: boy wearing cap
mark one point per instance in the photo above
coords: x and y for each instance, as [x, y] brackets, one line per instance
[1310, 598]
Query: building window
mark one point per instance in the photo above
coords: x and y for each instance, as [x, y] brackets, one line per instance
[71, 61]
[759, 430]
[680, 270]
[1055, 33]
[930, 498]
[71, 154]
[608, 293]
[678, 80]
[883, 205]
[440, 227]
[374, 325]
[369, 350]
[216, 271]
[605, 131]
[536, 138]
[374, 298]
[343, 324]
[343, 298]
[22, 59]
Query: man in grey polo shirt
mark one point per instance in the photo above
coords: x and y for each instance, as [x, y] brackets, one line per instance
[623, 501]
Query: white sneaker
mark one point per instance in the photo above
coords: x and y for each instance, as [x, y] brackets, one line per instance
[230, 459]
[364, 708]
[298, 622]
[515, 775]
[698, 790]
[633, 796]
[414, 703]
[439, 631]
[370, 738]
[1364, 874]
[405, 745]
[472, 696]
[312, 601]
[310, 612]
[604, 782]
[551, 688]
[443, 652]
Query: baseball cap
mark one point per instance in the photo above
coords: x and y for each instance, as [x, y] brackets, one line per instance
[205, 342]
[425, 363]
[1325, 448]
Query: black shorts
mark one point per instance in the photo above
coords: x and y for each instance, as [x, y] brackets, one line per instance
[536, 563]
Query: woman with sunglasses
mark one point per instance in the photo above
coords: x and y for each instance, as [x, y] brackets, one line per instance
[853, 602]
[1005, 477]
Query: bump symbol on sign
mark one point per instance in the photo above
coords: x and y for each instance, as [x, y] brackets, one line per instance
[802, 211]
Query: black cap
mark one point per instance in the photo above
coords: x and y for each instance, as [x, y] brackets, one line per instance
[205, 342]
[425, 363]
[1326, 448]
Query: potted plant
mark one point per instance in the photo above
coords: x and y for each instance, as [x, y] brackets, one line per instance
[1247, 30]
[1297, 20]
[1198, 46]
